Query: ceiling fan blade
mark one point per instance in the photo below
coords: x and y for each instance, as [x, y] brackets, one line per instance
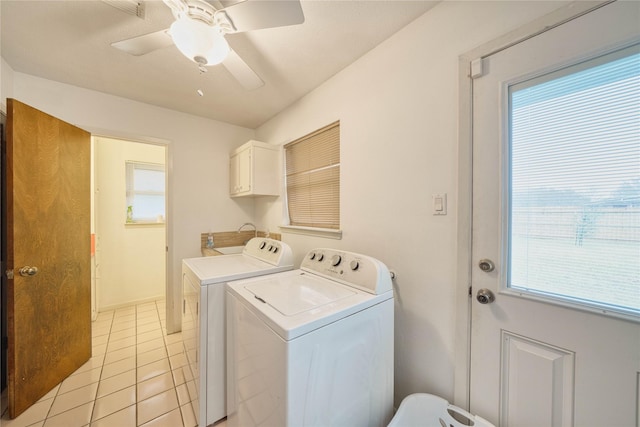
[258, 14]
[146, 43]
[242, 72]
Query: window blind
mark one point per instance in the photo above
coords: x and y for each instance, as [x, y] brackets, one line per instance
[313, 179]
[575, 182]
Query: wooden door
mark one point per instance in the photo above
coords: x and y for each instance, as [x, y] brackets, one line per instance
[556, 116]
[46, 208]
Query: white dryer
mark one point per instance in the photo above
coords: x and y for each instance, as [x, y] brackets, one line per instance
[203, 318]
[313, 346]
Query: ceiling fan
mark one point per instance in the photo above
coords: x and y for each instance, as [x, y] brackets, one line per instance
[199, 32]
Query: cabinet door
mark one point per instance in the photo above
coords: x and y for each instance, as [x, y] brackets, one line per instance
[233, 174]
[244, 170]
[253, 170]
[240, 172]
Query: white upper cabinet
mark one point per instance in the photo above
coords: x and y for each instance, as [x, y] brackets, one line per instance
[254, 170]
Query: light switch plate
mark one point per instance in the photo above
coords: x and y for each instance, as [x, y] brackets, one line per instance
[439, 203]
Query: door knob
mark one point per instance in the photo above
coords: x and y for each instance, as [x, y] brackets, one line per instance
[28, 271]
[485, 296]
[486, 265]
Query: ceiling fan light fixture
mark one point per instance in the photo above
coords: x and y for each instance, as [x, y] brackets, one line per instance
[198, 41]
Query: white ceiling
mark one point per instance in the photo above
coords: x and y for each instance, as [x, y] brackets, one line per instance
[70, 42]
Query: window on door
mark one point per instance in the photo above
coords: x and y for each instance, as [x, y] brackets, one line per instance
[574, 214]
[145, 192]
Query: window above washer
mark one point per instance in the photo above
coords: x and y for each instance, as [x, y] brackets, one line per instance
[313, 181]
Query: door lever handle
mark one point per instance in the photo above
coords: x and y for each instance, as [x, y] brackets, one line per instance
[28, 271]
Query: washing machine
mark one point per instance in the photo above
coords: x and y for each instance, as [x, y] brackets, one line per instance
[312, 346]
[204, 320]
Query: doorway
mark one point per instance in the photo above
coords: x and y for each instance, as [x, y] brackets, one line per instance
[128, 222]
[554, 251]
[68, 225]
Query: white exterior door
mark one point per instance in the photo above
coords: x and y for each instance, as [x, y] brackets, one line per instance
[546, 351]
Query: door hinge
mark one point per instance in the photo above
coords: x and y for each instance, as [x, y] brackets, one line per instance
[9, 274]
[470, 291]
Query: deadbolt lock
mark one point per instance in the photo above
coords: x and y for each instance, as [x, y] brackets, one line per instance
[486, 265]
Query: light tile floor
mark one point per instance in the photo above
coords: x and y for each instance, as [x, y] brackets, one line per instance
[135, 378]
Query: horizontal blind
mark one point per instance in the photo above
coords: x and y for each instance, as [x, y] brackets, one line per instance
[575, 182]
[313, 179]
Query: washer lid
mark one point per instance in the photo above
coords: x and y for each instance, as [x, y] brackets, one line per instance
[224, 268]
[294, 303]
[293, 295]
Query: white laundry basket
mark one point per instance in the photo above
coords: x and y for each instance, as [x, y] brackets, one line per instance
[427, 410]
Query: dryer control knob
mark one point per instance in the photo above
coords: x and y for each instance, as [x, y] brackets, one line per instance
[312, 255]
[335, 260]
[320, 257]
[354, 265]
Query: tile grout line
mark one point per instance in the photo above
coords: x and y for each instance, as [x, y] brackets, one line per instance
[166, 349]
[166, 344]
[104, 356]
[59, 386]
[136, 369]
[173, 380]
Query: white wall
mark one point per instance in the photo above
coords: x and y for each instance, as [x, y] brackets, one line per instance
[398, 111]
[6, 84]
[130, 258]
[198, 158]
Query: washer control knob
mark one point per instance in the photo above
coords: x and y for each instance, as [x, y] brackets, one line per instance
[320, 257]
[262, 245]
[335, 260]
[354, 265]
[312, 255]
[275, 249]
